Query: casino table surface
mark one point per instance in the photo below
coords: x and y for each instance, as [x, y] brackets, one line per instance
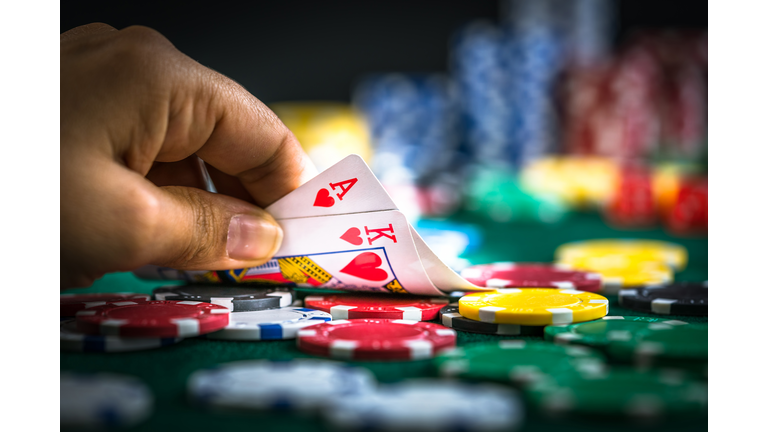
[165, 370]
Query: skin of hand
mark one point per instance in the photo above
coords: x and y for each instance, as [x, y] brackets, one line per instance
[135, 115]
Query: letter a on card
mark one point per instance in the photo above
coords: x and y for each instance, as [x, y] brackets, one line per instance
[347, 187]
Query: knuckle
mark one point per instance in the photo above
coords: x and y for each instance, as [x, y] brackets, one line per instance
[141, 51]
[145, 36]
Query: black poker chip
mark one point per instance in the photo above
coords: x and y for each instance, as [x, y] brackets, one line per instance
[677, 298]
[236, 298]
[449, 316]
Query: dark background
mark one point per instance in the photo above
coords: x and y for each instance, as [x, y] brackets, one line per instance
[315, 50]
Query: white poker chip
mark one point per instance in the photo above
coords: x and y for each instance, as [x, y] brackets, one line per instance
[303, 384]
[270, 324]
[429, 405]
[103, 400]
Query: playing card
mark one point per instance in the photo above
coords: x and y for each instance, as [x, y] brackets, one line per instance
[342, 230]
[371, 251]
[347, 187]
[442, 276]
[369, 197]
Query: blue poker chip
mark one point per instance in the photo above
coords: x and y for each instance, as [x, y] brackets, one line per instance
[73, 339]
[270, 324]
[301, 384]
[96, 400]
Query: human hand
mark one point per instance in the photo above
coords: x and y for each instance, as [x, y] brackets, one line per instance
[135, 114]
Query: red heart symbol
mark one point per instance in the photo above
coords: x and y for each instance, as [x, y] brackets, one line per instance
[365, 266]
[324, 199]
[352, 236]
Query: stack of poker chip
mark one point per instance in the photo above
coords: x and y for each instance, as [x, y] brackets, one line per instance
[376, 327]
[625, 263]
[413, 120]
[628, 194]
[527, 297]
[505, 78]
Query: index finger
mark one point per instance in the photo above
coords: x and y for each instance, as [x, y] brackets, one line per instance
[229, 128]
[251, 143]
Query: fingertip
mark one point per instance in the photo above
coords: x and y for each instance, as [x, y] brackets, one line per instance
[253, 238]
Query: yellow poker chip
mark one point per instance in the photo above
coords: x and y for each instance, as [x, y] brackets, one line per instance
[533, 306]
[624, 272]
[670, 254]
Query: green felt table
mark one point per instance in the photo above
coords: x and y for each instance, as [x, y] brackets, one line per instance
[166, 369]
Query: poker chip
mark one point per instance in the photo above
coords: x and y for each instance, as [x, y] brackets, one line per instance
[270, 324]
[663, 342]
[449, 316]
[236, 299]
[353, 306]
[429, 405]
[302, 384]
[533, 306]
[376, 339]
[601, 332]
[72, 303]
[519, 361]
[679, 298]
[157, 318]
[646, 341]
[673, 255]
[620, 272]
[621, 392]
[528, 275]
[74, 340]
[102, 400]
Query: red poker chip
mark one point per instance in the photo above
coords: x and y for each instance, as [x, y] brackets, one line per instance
[353, 306]
[158, 318]
[532, 275]
[71, 303]
[376, 339]
[690, 214]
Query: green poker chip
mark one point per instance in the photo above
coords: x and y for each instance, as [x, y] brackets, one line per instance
[644, 341]
[621, 392]
[518, 361]
[658, 344]
[599, 333]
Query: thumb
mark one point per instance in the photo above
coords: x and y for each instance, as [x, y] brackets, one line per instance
[199, 230]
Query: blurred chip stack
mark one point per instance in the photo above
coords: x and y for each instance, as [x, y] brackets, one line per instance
[648, 101]
[414, 127]
[541, 114]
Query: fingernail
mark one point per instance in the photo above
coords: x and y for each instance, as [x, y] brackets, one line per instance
[251, 238]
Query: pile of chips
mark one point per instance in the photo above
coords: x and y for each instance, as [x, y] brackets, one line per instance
[557, 348]
[629, 195]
